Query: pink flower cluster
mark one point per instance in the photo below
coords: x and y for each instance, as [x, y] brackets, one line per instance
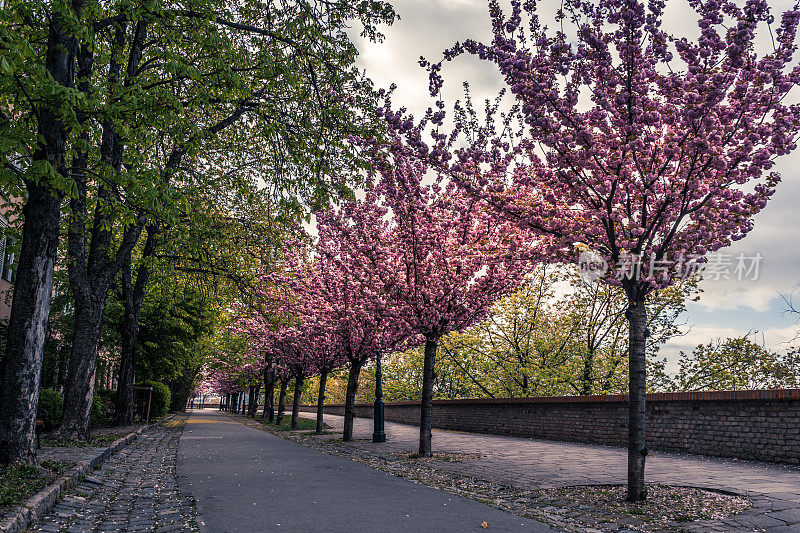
[638, 142]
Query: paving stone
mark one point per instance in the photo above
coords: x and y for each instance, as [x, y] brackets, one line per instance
[127, 491]
[533, 464]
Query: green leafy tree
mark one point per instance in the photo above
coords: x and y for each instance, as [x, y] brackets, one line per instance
[119, 107]
[736, 364]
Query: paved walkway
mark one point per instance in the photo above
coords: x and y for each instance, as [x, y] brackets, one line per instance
[136, 489]
[537, 464]
[245, 479]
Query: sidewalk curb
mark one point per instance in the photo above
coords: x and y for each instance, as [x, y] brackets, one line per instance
[43, 501]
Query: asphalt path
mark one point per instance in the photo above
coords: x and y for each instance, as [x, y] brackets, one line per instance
[244, 480]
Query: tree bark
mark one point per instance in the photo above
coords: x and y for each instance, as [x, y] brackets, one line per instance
[254, 403]
[588, 372]
[30, 310]
[637, 451]
[133, 294]
[269, 394]
[298, 391]
[79, 391]
[323, 380]
[426, 407]
[281, 401]
[350, 399]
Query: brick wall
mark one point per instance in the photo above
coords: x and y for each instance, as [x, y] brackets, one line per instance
[756, 425]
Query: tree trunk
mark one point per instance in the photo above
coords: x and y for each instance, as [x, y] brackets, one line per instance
[323, 380]
[79, 389]
[426, 407]
[63, 363]
[123, 413]
[254, 404]
[133, 294]
[350, 399]
[281, 401]
[30, 309]
[269, 394]
[27, 331]
[588, 372]
[298, 391]
[637, 451]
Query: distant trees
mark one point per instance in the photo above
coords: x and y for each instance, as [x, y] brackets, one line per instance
[536, 343]
[735, 364]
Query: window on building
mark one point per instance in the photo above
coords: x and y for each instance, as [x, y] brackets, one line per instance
[8, 270]
[9, 260]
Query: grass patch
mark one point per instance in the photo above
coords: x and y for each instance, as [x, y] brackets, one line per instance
[18, 483]
[101, 439]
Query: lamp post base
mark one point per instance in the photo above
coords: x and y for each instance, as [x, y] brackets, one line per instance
[378, 435]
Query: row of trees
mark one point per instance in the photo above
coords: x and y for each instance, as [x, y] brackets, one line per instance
[157, 129]
[532, 343]
[373, 283]
[640, 148]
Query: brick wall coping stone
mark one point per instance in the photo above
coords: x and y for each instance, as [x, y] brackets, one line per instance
[739, 395]
[42, 502]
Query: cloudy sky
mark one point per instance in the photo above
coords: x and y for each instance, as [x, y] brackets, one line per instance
[726, 307]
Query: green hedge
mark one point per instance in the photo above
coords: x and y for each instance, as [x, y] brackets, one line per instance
[161, 399]
[53, 402]
[103, 407]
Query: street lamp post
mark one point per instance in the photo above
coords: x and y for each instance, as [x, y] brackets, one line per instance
[378, 435]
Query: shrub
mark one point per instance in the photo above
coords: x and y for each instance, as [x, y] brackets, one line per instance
[103, 407]
[161, 399]
[53, 402]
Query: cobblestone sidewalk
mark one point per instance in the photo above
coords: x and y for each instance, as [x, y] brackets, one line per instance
[134, 490]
